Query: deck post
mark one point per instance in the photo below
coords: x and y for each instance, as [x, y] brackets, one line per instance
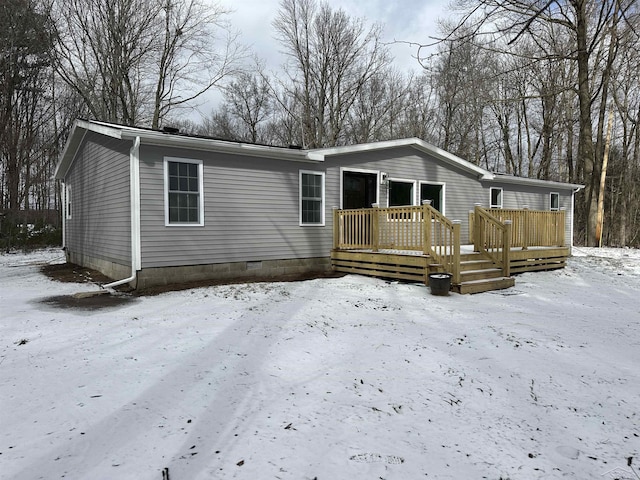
[560, 232]
[455, 254]
[506, 249]
[526, 227]
[472, 218]
[336, 227]
[477, 229]
[375, 227]
[426, 227]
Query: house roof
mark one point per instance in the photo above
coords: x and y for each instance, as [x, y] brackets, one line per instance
[415, 143]
[504, 178]
[162, 138]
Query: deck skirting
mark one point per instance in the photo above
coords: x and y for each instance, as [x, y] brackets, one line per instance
[384, 265]
[539, 259]
[478, 273]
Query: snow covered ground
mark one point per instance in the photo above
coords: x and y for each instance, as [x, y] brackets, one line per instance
[349, 378]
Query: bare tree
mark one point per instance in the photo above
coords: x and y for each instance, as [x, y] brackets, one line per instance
[421, 110]
[378, 112]
[331, 58]
[103, 54]
[248, 99]
[134, 61]
[588, 30]
[190, 60]
[460, 79]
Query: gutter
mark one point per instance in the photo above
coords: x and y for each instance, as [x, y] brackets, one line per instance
[134, 180]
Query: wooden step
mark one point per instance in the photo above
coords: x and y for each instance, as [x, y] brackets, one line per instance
[486, 285]
[481, 274]
[479, 264]
[465, 257]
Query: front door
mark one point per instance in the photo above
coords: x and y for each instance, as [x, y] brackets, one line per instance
[359, 189]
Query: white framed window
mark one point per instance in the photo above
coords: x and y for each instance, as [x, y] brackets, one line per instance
[311, 198]
[67, 198]
[401, 192]
[495, 200]
[434, 191]
[554, 201]
[183, 192]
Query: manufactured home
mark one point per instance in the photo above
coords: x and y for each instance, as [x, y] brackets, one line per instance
[151, 207]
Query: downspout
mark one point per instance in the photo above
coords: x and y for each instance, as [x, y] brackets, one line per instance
[134, 180]
[64, 215]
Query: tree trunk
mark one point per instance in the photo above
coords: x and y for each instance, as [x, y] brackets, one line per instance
[586, 153]
[603, 177]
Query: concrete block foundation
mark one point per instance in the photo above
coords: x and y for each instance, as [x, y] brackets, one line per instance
[162, 276]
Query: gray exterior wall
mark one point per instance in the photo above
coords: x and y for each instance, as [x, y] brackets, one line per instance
[251, 205]
[462, 189]
[251, 212]
[100, 224]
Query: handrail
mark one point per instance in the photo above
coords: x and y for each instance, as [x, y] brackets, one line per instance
[418, 228]
[442, 241]
[492, 238]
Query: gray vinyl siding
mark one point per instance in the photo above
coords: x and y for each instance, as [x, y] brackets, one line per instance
[251, 205]
[251, 212]
[462, 188]
[100, 224]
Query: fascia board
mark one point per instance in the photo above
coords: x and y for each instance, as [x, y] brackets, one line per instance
[148, 137]
[536, 182]
[78, 132]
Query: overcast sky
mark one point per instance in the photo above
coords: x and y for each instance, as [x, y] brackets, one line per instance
[407, 20]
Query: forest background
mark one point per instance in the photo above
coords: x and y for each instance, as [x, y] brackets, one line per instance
[537, 88]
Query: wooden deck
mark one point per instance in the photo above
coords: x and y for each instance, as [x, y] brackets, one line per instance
[409, 243]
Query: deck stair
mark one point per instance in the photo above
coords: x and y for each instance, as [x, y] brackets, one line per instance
[479, 274]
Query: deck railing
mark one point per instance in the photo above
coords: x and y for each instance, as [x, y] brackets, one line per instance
[416, 228]
[492, 238]
[530, 228]
[354, 229]
[493, 232]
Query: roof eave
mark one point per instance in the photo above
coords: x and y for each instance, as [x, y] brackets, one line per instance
[535, 181]
[78, 132]
[150, 137]
[154, 137]
[405, 142]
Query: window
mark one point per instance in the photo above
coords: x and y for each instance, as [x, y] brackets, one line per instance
[183, 192]
[401, 193]
[433, 192]
[68, 200]
[496, 197]
[554, 201]
[311, 198]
